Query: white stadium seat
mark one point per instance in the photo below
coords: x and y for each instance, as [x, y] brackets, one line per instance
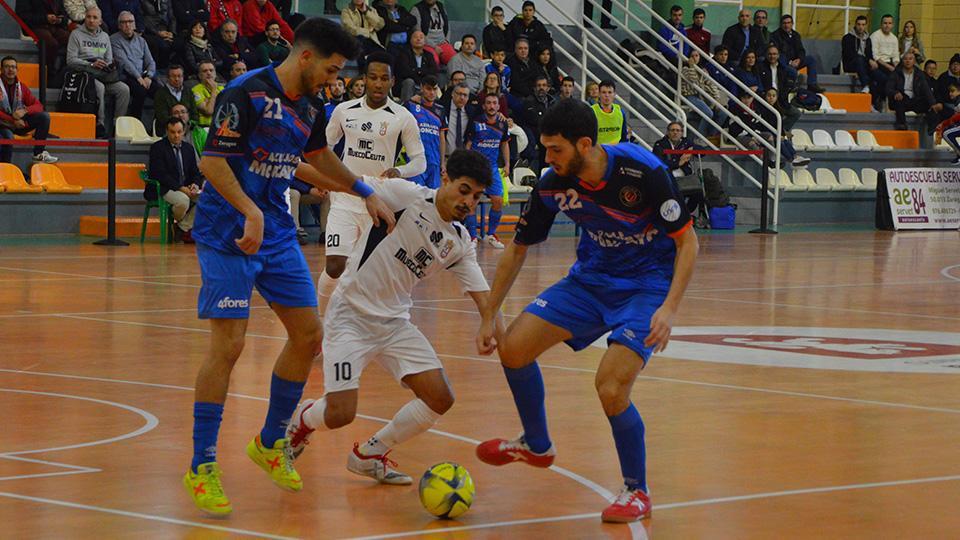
[519, 174]
[131, 129]
[844, 138]
[784, 180]
[801, 141]
[869, 178]
[850, 180]
[826, 178]
[803, 178]
[867, 139]
[822, 137]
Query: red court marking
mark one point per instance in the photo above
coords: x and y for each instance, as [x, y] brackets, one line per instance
[860, 348]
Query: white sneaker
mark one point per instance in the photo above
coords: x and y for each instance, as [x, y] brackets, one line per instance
[380, 468]
[45, 157]
[297, 430]
[800, 161]
[493, 241]
[865, 90]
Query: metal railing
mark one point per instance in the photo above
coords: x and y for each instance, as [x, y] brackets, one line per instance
[41, 49]
[846, 7]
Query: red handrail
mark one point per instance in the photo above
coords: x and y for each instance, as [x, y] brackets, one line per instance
[23, 26]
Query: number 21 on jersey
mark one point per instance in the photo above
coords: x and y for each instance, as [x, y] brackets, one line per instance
[570, 200]
[274, 109]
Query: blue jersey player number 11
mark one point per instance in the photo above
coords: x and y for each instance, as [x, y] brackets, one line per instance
[634, 262]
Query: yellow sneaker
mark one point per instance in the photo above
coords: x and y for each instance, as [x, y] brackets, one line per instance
[277, 462]
[205, 488]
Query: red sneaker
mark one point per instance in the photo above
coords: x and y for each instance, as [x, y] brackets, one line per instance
[630, 505]
[501, 451]
[297, 430]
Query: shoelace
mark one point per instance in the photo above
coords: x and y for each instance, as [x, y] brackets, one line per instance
[516, 444]
[214, 487]
[387, 462]
[626, 497]
[288, 457]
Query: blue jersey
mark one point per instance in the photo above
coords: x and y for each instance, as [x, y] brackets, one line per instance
[262, 134]
[432, 123]
[628, 220]
[485, 137]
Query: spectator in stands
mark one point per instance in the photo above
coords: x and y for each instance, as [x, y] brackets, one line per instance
[792, 54]
[491, 87]
[693, 78]
[742, 117]
[949, 130]
[357, 88]
[229, 46]
[886, 53]
[197, 49]
[760, 19]
[671, 36]
[111, 10]
[469, 63]
[187, 12]
[76, 9]
[435, 25]
[170, 94]
[157, 17]
[205, 93]
[611, 119]
[48, 20]
[741, 37]
[135, 63]
[546, 67]
[606, 6]
[787, 151]
[173, 164]
[944, 107]
[908, 90]
[910, 42]
[275, 48]
[338, 91]
[567, 87]
[591, 94]
[89, 50]
[699, 35]
[456, 78]
[722, 56]
[951, 76]
[21, 113]
[237, 69]
[748, 72]
[521, 69]
[528, 26]
[413, 64]
[257, 15]
[222, 11]
[495, 33]
[773, 75]
[363, 22]
[459, 115]
[499, 66]
[285, 7]
[931, 70]
[857, 55]
[679, 164]
[398, 23]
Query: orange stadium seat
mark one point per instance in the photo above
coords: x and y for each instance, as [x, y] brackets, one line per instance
[73, 125]
[12, 180]
[852, 103]
[51, 179]
[29, 74]
[902, 140]
[94, 175]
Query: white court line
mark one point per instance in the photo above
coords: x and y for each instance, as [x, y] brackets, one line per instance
[897, 314]
[668, 506]
[52, 463]
[46, 475]
[138, 515]
[945, 272]
[114, 279]
[703, 261]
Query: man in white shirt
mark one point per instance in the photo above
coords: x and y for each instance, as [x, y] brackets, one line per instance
[374, 129]
[469, 63]
[369, 315]
[886, 52]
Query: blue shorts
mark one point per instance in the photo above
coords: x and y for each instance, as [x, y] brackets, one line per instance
[228, 281]
[590, 312]
[430, 178]
[496, 187]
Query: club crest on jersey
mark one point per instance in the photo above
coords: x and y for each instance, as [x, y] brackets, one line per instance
[383, 128]
[630, 196]
[227, 118]
[446, 248]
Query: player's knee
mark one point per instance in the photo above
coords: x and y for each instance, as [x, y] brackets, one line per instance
[310, 337]
[339, 415]
[613, 396]
[336, 266]
[440, 402]
[513, 353]
[496, 203]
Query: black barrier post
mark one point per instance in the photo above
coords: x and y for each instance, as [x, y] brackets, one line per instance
[764, 186]
[111, 239]
[42, 45]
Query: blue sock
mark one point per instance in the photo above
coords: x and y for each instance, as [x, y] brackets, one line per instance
[526, 384]
[628, 436]
[284, 396]
[494, 221]
[206, 426]
[471, 223]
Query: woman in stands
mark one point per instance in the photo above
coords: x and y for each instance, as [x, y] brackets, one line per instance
[197, 49]
[787, 151]
[693, 78]
[910, 42]
[547, 68]
[748, 72]
[491, 87]
[591, 94]
[356, 89]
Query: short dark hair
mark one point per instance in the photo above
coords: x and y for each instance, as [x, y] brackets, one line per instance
[471, 36]
[496, 9]
[675, 8]
[772, 46]
[568, 79]
[720, 48]
[429, 80]
[699, 11]
[759, 11]
[455, 72]
[173, 120]
[608, 83]
[379, 57]
[860, 18]
[674, 123]
[570, 118]
[271, 23]
[785, 17]
[886, 16]
[526, 4]
[171, 67]
[496, 49]
[471, 164]
[539, 78]
[327, 37]
[928, 62]
[5, 58]
[521, 39]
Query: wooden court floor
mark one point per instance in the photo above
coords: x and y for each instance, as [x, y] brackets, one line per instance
[814, 393]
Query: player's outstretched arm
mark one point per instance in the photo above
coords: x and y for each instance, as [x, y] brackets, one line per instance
[325, 160]
[219, 173]
[508, 267]
[487, 346]
[661, 324]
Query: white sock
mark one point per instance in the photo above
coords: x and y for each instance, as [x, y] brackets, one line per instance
[325, 287]
[314, 417]
[411, 420]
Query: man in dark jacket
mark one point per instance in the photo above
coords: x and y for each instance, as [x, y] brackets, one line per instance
[679, 164]
[774, 75]
[495, 33]
[187, 11]
[173, 163]
[534, 107]
[398, 23]
[48, 20]
[857, 54]
[521, 69]
[528, 26]
[908, 90]
[229, 46]
[413, 64]
[792, 53]
[157, 19]
[951, 76]
[760, 27]
[172, 93]
[741, 37]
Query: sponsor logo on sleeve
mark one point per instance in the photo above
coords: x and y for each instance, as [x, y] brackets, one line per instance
[670, 210]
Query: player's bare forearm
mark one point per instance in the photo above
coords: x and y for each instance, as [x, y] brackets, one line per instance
[505, 151]
[508, 267]
[219, 173]
[334, 169]
[309, 174]
[687, 249]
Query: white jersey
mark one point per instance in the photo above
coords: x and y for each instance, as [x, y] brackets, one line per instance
[384, 268]
[372, 141]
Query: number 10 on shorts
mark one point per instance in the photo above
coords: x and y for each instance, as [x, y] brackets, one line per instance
[343, 371]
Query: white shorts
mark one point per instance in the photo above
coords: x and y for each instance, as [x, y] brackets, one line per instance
[351, 340]
[344, 228]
